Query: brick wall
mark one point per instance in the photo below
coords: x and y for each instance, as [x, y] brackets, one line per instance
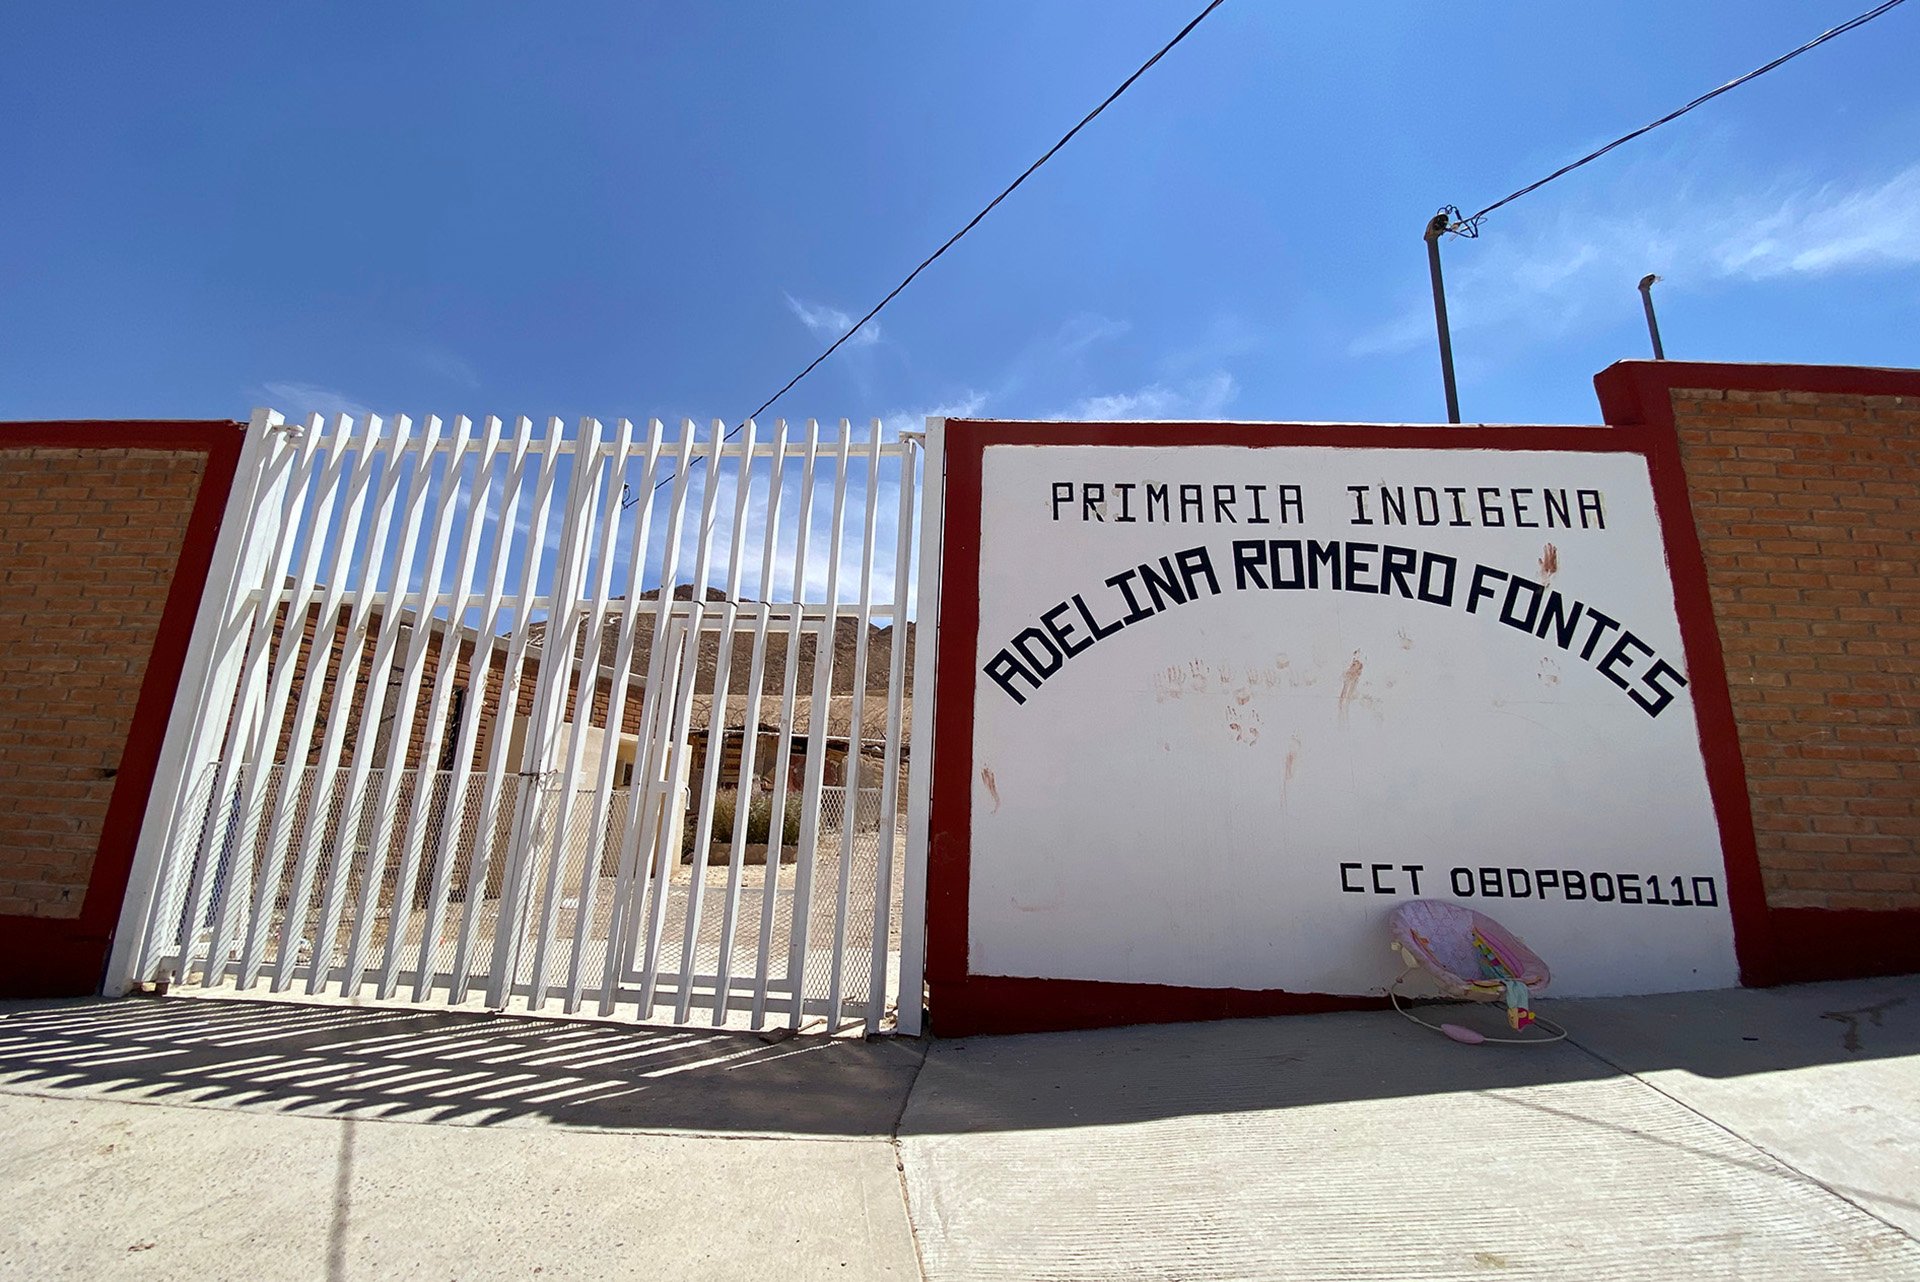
[1808, 507]
[1804, 484]
[439, 665]
[89, 539]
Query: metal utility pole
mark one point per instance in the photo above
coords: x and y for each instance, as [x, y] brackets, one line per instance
[1436, 228]
[1653, 326]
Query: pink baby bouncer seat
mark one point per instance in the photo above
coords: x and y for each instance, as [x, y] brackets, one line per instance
[1471, 957]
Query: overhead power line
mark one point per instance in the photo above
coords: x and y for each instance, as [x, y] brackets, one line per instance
[1470, 226]
[973, 222]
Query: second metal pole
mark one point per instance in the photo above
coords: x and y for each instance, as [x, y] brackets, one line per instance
[1653, 326]
[1437, 227]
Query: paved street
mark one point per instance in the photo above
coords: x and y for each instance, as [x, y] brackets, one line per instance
[1745, 1134]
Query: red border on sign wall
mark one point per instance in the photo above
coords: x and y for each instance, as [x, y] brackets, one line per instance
[962, 1003]
[65, 957]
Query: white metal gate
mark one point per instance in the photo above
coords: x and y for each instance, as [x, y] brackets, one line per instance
[450, 733]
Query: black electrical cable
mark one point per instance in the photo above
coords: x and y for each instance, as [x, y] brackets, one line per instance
[973, 222]
[1471, 225]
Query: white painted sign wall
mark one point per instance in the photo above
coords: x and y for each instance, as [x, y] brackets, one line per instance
[1233, 792]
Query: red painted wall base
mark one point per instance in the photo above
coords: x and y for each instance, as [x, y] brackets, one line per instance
[1002, 1004]
[1822, 943]
[50, 957]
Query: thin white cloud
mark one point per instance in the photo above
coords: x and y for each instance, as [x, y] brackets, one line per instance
[1088, 329]
[1829, 230]
[1401, 334]
[1222, 340]
[1200, 398]
[446, 364]
[298, 400]
[965, 406]
[830, 322]
[1549, 280]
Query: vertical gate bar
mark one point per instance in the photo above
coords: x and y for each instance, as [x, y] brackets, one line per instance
[643, 796]
[250, 694]
[620, 680]
[445, 674]
[417, 603]
[360, 565]
[644, 858]
[545, 480]
[777, 831]
[549, 699]
[913, 876]
[336, 481]
[586, 684]
[665, 817]
[254, 726]
[524, 833]
[850, 805]
[818, 716]
[717, 724]
[645, 818]
[379, 669]
[148, 912]
[750, 728]
[683, 714]
[890, 766]
[479, 671]
[255, 627]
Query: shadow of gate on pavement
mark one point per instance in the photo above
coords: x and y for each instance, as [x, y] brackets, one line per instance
[455, 1067]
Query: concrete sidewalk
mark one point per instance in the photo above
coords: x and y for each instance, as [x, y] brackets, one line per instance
[217, 1138]
[1722, 1135]
[1745, 1134]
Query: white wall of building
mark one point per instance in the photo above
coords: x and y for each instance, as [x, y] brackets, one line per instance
[1193, 799]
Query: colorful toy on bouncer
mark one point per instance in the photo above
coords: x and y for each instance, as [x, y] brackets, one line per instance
[1501, 965]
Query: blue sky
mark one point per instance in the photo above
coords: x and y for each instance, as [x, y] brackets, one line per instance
[648, 210]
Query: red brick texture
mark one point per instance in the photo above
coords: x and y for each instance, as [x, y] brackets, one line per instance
[1805, 489]
[94, 522]
[89, 539]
